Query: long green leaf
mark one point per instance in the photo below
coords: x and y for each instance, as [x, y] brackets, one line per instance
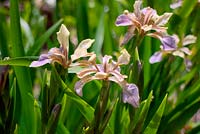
[82, 16]
[99, 37]
[141, 114]
[3, 39]
[34, 50]
[187, 7]
[27, 120]
[84, 107]
[19, 61]
[153, 125]
[181, 119]
[61, 129]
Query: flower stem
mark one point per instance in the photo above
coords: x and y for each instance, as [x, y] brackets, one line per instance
[101, 108]
[135, 59]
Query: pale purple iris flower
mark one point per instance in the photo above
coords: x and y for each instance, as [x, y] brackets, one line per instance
[177, 4]
[109, 70]
[60, 55]
[143, 21]
[173, 45]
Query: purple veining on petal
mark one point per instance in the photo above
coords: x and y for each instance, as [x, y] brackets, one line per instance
[123, 20]
[131, 95]
[168, 43]
[156, 57]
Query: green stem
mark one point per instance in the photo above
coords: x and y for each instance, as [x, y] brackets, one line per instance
[135, 59]
[101, 107]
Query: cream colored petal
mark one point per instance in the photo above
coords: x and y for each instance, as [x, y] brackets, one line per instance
[86, 72]
[101, 75]
[81, 50]
[114, 79]
[124, 58]
[189, 39]
[106, 65]
[186, 50]
[63, 38]
[92, 59]
[163, 19]
[82, 63]
[179, 53]
[118, 75]
[146, 28]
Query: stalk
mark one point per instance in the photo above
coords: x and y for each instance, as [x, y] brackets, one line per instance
[100, 109]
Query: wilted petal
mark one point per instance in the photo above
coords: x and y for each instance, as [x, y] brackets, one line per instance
[156, 57]
[81, 50]
[124, 58]
[189, 39]
[63, 38]
[163, 19]
[123, 20]
[131, 95]
[168, 43]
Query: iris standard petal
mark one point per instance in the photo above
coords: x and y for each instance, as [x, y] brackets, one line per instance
[81, 50]
[137, 6]
[189, 39]
[124, 58]
[163, 19]
[63, 39]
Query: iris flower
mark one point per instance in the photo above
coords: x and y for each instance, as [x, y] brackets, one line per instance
[142, 21]
[109, 70]
[167, 48]
[178, 3]
[60, 55]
